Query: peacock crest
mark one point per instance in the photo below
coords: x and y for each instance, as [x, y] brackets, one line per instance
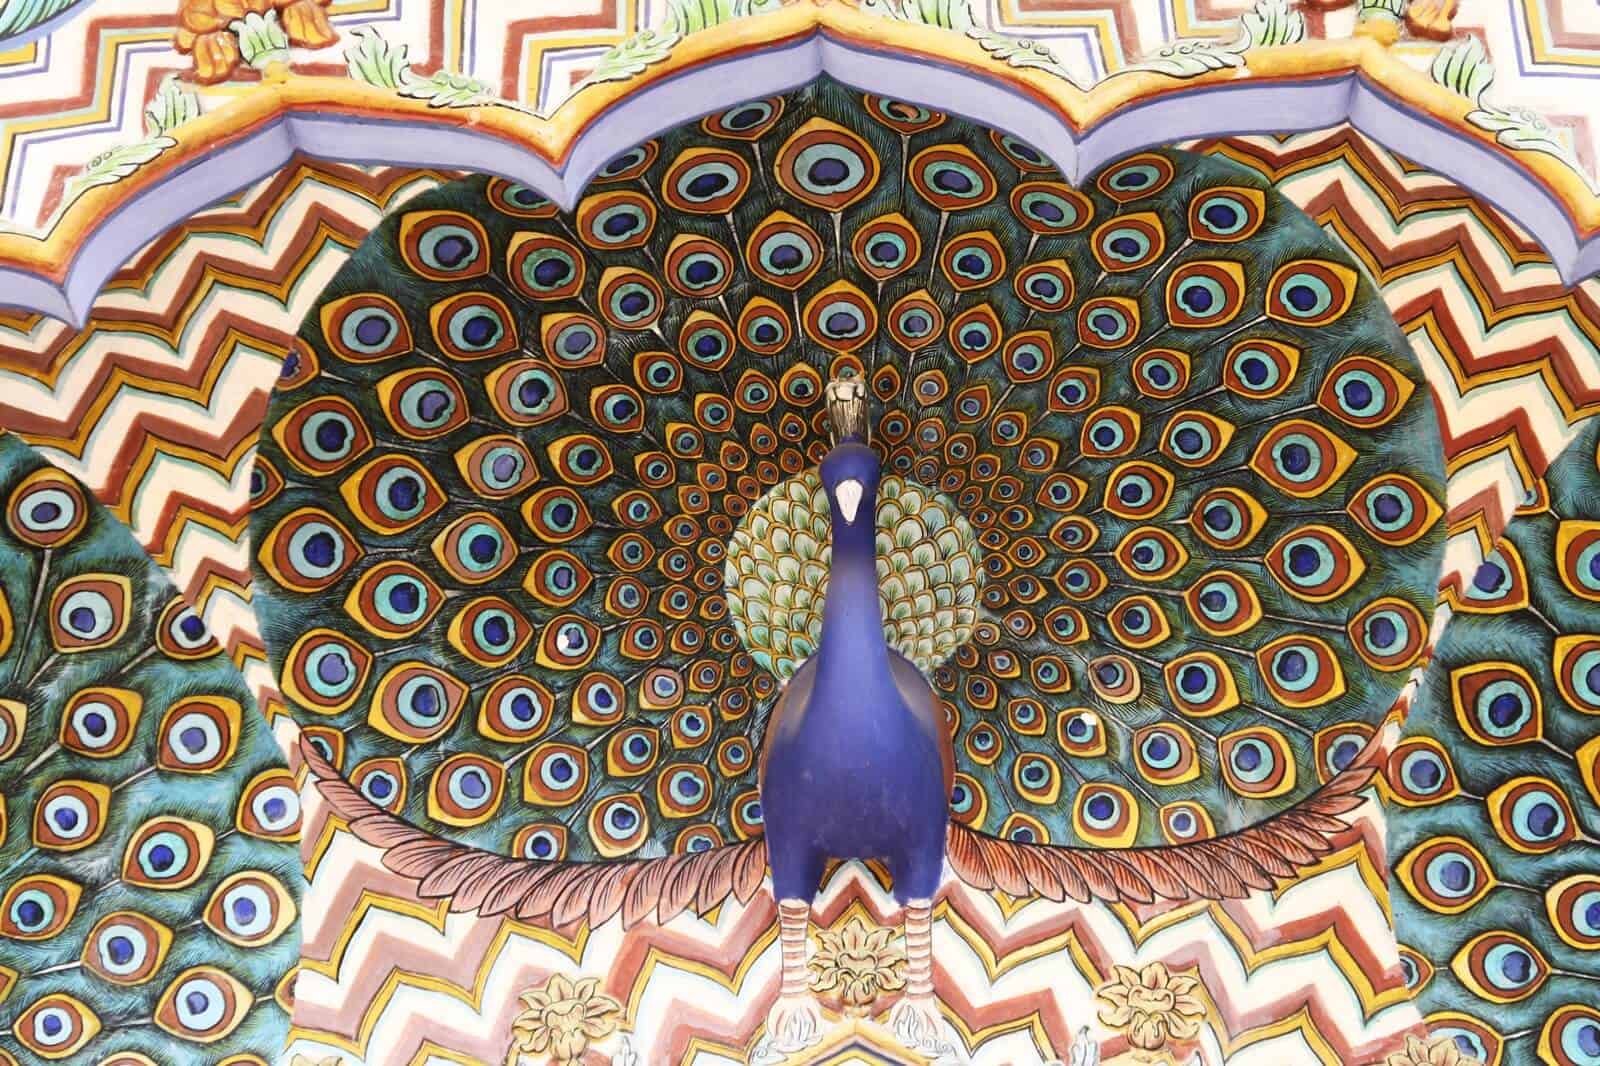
[537, 521]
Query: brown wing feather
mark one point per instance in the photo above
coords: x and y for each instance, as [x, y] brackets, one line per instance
[1225, 867]
[555, 894]
[1042, 876]
[644, 892]
[1094, 874]
[1255, 854]
[507, 895]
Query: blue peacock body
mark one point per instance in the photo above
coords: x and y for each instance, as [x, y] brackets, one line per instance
[537, 524]
[149, 867]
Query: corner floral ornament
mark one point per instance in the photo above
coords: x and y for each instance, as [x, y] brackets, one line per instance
[1441, 1051]
[561, 1019]
[857, 964]
[1151, 1006]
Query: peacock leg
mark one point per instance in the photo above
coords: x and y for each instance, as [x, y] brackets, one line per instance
[795, 1021]
[915, 1019]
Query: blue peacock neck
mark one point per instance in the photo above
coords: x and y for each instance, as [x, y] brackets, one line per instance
[853, 671]
[852, 641]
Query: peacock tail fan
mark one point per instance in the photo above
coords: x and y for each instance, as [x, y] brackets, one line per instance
[1496, 791]
[540, 536]
[149, 867]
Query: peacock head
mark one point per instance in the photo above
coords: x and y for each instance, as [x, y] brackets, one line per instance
[850, 475]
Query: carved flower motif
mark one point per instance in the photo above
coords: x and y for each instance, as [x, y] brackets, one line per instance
[1151, 1006]
[219, 34]
[1441, 1051]
[561, 1018]
[858, 963]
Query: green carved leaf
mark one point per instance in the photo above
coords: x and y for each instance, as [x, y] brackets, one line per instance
[691, 16]
[1020, 52]
[261, 39]
[1272, 23]
[373, 60]
[1463, 66]
[632, 56]
[112, 166]
[448, 90]
[945, 14]
[171, 106]
[1191, 58]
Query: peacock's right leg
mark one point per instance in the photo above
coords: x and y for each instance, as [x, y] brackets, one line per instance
[795, 1020]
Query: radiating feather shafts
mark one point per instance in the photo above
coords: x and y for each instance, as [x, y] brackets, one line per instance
[1160, 515]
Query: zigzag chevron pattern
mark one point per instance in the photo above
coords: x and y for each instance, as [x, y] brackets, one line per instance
[154, 406]
[81, 90]
[1289, 978]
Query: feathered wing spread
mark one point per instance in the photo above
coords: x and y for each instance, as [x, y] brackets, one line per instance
[564, 893]
[1230, 866]
[1494, 832]
[538, 536]
[539, 891]
[149, 868]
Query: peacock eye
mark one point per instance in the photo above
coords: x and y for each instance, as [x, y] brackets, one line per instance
[518, 200]
[630, 164]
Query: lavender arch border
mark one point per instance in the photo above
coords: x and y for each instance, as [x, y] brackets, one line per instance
[1214, 109]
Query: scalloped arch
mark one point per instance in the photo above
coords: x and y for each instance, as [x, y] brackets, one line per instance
[1293, 88]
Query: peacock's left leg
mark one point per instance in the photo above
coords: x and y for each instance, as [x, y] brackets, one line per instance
[915, 1019]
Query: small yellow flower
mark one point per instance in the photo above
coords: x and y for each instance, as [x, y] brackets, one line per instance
[858, 963]
[307, 1060]
[1441, 1051]
[1151, 1006]
[562, 1017]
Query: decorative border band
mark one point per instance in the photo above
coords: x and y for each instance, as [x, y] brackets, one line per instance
[1286, 88]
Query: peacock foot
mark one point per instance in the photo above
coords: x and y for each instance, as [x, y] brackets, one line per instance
[794, 1023]
[918, 1025]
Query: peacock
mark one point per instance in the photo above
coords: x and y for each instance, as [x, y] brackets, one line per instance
[1494, 833]
[547, 506]
[149, 862]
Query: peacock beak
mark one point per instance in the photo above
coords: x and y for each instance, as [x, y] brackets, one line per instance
[848, 496]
